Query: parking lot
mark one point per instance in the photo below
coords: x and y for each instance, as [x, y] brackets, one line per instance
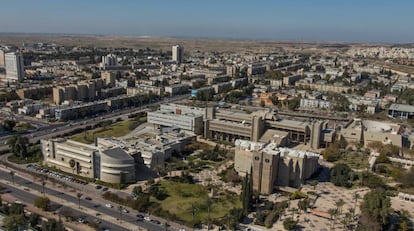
[55, 174]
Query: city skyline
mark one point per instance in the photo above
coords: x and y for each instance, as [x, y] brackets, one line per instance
[351, 21]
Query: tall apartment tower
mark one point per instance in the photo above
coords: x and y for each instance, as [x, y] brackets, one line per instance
[178, 54]
[109, 61]
[2, 63]
[14, 66]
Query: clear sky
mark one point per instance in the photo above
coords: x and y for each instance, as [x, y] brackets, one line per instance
[310, 20]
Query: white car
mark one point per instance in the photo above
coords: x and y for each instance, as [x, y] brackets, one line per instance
[109, 206]
[147, 218]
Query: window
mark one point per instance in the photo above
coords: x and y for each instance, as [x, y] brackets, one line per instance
[62, 159]
[267, 160]
[257, 158]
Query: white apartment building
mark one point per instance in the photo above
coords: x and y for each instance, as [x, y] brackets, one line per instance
[14, 66]
[178, 54]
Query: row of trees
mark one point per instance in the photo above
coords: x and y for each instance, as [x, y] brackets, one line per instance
[16, 219]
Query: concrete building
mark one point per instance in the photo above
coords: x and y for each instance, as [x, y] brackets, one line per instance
[2, 59]
[402, 111]
[108, 78]
[314, 104]
[35, 92]
[152, 149]
[14, 66]
[290, 80]
[227, 125]
[177, 89]
[109, 61]
[112, 165]
[256, 69]
[80, 111]
[273, 166]
[366, 131]
[178, 54]
[179, 116]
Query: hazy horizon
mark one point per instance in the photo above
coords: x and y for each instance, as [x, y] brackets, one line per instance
[311, 21]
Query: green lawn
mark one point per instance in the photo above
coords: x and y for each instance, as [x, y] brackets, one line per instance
[115, 130]
[183, 196]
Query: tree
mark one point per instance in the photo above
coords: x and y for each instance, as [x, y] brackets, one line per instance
[407, 178]
[294, 103]
[52, 225]
[33, 219]
[14, 222]
[12, 175]
[8, 125]
[356, 197]
[137, 191]
[339, 204]
[376, 205]
[247, 193]
[289, 224]
[18, 146]
[340, 175]
[42, 203]
[313, 183]
[72, 164]
[120, 209]
[333, 213]
[43, 186]
[304, 204]
[79, 195]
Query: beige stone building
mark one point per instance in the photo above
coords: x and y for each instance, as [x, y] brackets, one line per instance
[366, 131]
[272, 166]
[109, 164]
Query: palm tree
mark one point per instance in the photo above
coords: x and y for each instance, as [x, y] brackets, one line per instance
[208, 203]
[313, 183]
[12, 175]
[356, 197]
[339, 204]
[79, 195]
[333, 213]
[193, 211]
[43, 186]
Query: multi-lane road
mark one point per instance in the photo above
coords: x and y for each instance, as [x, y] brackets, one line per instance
[46, 130]
[94, 206]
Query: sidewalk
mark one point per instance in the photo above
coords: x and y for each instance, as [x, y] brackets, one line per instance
[74, 206]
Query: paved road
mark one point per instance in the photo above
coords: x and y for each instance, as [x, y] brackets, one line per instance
[97, 206]
[56, 129]
[26, 197]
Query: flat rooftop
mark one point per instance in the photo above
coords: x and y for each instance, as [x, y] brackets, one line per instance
[402, 107]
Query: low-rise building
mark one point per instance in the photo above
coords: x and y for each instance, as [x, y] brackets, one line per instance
[366, 131]
[109, 164]
[402, 111]
[179, 116]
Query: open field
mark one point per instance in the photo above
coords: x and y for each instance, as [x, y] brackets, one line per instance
[165, 43]
[115, 130]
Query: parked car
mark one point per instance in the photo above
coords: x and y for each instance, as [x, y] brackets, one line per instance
[109, 206]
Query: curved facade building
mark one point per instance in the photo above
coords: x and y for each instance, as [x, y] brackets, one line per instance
[108, 164]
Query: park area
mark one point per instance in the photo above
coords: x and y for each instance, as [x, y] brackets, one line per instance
[191, 203]
[109, 129]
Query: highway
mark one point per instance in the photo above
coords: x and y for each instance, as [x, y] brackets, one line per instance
[50, 130]
[96, 204]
